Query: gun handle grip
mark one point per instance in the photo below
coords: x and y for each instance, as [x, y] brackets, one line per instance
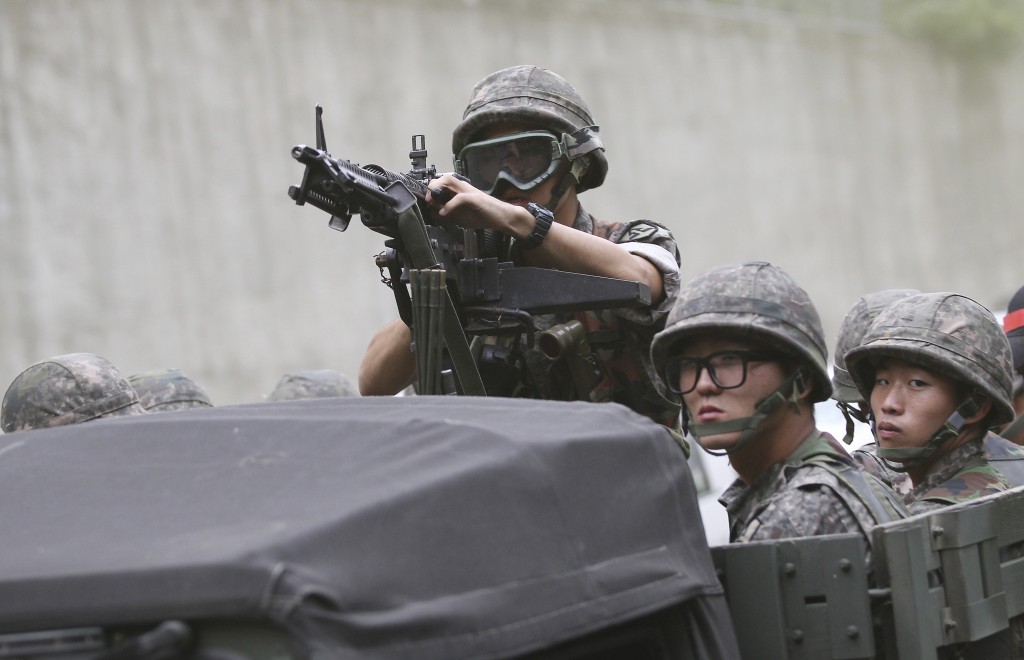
[441, 195]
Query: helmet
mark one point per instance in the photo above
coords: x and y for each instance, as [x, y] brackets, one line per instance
[316, 384]
[1013, 325]
[539, 98]
[67, 389]
[756, 300]
[167, 390]
[852, 330]
[947, 333]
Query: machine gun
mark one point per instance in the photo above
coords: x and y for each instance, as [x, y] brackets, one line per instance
[471, 292]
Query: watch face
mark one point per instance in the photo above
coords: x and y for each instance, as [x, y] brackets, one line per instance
[538, 211]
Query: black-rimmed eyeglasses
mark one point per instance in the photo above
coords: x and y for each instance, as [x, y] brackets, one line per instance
[728, 369]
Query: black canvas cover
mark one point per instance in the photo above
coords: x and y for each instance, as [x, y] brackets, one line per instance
[416, 527]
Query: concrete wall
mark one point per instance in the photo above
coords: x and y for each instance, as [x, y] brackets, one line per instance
[144, 161]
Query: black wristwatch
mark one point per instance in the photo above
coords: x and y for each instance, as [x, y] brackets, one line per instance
[544, 219]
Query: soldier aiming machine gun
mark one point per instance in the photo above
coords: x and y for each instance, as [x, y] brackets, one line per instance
[449, 283]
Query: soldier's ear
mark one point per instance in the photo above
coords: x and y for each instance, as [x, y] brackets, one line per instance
[800, 390]
[803, 385]
[984, 406]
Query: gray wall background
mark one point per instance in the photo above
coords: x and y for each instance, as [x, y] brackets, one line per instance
[144, 160]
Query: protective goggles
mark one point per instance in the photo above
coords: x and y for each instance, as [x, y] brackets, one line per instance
[524, 160]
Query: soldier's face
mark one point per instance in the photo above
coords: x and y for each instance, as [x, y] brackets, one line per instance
[910, 403]
[708, 402]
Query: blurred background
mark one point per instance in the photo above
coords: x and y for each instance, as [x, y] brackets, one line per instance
[144, 155]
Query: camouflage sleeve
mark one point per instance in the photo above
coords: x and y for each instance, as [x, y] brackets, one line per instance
[654, 243]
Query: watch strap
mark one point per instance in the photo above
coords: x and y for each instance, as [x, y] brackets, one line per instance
[543, 218]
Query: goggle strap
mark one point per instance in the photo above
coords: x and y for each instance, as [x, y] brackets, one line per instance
[580, 142]
[579, 166]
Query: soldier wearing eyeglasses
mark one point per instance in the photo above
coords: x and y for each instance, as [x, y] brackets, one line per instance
[744, 349]
[526, 148]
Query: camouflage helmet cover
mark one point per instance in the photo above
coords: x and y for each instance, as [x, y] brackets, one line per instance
[851, 332]
[757, 301]
[67, 389]
[166, 390]
[536, 97]
[948, 333]
[312, 384]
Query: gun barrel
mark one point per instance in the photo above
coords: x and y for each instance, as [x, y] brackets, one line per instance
[340, 168]
[417, 188]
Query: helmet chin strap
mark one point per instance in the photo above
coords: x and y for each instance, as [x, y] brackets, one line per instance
[570, 177]
[847, 414]
[789, 390]
[904, 459]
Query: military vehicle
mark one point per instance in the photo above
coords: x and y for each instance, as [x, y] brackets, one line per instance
[453, 527]
[409, 527]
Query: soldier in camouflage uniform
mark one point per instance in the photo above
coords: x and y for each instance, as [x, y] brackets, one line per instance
[1014, 431]
[529, 146]
[936, 369]
[744, 347]
[1005, 456]
[845, 392]
[167, 390]
[1013, 325]
[312, 384]
[67, 389]
[851, 331]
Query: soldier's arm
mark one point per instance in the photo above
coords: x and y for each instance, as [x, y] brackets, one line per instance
[563, 248]
[579, 252]
[389, 365]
